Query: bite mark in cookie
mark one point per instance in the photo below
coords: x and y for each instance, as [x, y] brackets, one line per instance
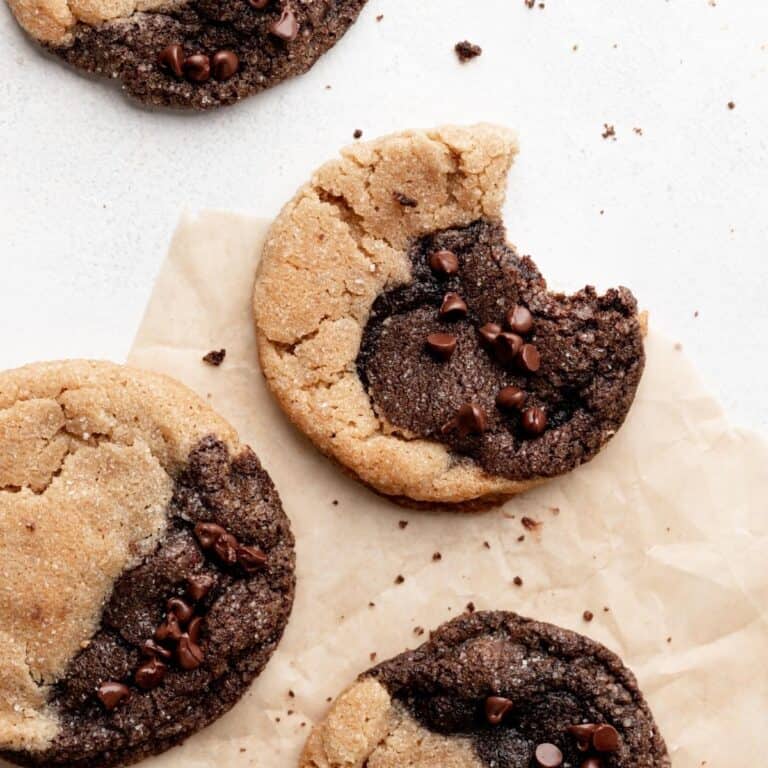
[415, 347]
[189, 53]
[493, 689]
[142, 640]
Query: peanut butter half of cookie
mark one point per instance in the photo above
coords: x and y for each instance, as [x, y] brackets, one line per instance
[492, 690]
[410, 341]
[146, 565]
[196, 54]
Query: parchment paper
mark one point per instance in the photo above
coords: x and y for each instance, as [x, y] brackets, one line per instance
[667, 530]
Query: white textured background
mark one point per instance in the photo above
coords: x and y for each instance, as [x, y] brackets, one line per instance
[91, 187]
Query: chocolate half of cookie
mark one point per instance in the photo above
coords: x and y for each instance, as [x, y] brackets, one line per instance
[494, 689]
[190, 53]
[477, 354]
[147, 570]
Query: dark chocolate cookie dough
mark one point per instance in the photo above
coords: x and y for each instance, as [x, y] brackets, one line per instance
[196, 596]
[495, 689]
[477, 354]
[195, 53]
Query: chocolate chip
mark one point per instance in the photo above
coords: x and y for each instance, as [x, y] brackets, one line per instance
[605, 738]
[250, 559]
[180, 609]
[226, 548]
[529, 358]
[534, 421]
[444, 262]
[286, 27]
[170, 629]
[171, 58]
[215, 357]
[471, 420]
[453, 307]
[441, 345]
[189, 654]
[488, 335]
[511, 399]
[404, 200]
[495, 709]
[199, 586]
[508, 346]
[208, 534]
[548, 756]
[197, 68]
[110, 694]
[150, 675]
[152, 649]
[194, 629]
[224, 64]
[520, 320]
[583, 734]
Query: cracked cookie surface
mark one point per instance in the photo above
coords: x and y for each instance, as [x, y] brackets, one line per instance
[346, 301]
[106, 475]
[196, 54]
[492, 689]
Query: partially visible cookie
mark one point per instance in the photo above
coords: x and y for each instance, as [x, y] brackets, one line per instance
[491, 690]
[146, 565]
[402, 333]
[189, 53]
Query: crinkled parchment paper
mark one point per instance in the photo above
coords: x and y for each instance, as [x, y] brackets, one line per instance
[664, 537]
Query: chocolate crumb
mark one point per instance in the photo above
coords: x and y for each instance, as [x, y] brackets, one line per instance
[638, 131]
[588, 615]
[400, 579]
[358, 134]
[731, 105]
[486, 545]
[530, 524]
[521, 537]
[403, 524]
[470, 607]
[380, 17]
[404, 200]
[335, 502]
[437, 556]
[467, 51]
[517, 581]
[372, 657]
[609, 132]
[292, 694]
[215, 357]
[418, 631]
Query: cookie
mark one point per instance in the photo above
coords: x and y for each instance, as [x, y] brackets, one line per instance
[189, 53]
[146, 565]
[402, 333]
[488, 690]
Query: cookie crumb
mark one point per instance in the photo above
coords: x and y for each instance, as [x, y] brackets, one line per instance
[517, 581]
[215, 357]
[380, 17]
[404, 200]
[358, 134]
[638, 131]
[530, 524]
[372, 656]
[403, 524]
[609, 132]
[31, 527]
[418, 631]
[588, 616]
[467, 51]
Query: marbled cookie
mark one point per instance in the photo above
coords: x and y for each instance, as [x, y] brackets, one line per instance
[491, 690]
[189, 53]
[146, 565]
[402, 333]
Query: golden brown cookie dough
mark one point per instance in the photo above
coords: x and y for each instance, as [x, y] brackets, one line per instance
[357, 233]
[105, 471]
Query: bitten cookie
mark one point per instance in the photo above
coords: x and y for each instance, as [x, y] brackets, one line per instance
[402, 333]
[146, 565]
[490, 690]
[189, 53]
